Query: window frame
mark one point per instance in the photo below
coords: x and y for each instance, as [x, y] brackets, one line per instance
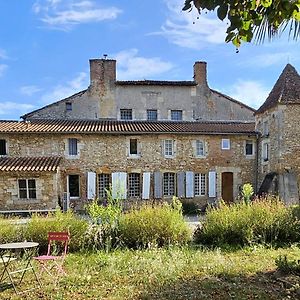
[170, 185]
[172, 144]
[74, 197]
[69, 106]
[70, 147]
[175, 113]
[27, 189]
[253, 150]
[152, 111]
[197, 148]
[200, 184]
[134, 187]
[106, 183]
[137, 151]
[125, 111]
[222, 144]
[4, 147]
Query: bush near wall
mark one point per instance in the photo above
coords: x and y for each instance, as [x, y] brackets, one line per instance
[158, 225]
[264, 221]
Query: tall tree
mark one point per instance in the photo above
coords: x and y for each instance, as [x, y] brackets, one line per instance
[253, 20]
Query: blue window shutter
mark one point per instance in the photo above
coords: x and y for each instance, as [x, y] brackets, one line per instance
[180, 184]
[212, 184]
[189, 184]
[157, 185]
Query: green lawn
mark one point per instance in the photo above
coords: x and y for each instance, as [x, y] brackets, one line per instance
[176, 273]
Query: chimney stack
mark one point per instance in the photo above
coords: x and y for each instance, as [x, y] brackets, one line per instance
[200, 73]
[102, 74]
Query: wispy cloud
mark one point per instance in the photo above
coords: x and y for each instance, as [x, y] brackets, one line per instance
[61, 91]
[9, 107]
[132, 66]
[3, 68]
[3, 54]
[250, 92]
[187, 30]
[29, 90]
[65, 14]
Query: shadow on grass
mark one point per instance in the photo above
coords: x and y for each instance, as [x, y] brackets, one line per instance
[260, 286]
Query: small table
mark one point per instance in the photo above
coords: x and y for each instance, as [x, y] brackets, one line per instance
[29, 249]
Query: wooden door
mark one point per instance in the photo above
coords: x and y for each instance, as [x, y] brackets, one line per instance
[227, 187]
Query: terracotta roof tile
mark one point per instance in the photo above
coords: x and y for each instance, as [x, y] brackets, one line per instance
[285, 91]
[127, 127]
[29, 164]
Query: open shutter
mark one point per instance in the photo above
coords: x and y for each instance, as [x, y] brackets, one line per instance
[123, 185]
[212, 184]
[114, 184]
[91, 185]
[157, 185]
[180, 184]
[189, 179]
[146, 185]
[119, 185]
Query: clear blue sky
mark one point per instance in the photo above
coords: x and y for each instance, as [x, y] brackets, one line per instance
[45, 46]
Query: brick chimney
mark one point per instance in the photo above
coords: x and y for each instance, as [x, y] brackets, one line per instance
[102, 74]
[200, 73]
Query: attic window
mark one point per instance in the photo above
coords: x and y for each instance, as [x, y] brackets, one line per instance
[68, 106]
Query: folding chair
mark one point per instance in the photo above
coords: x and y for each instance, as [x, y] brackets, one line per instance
[50, 263]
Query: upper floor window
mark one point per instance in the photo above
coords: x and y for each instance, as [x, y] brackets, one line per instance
[151, 114]
[265, 151]
[169, 184]
[126, 114]
[176, 115]
[225, 144]
[200, 184]
[134, 185]
[103, 185]
[73, 146]
[200, 151]
[3, 147]
[68, 106]
[249, 147]
[168, 148]
[133, 147]
[27, 188]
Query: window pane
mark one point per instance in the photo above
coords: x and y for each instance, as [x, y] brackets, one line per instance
[31, 183]
[197, 184]
[249, 148]
[202, 184]
[168, 147]
[23, 194]
[32, 194]
[169, 184]
[134, 185]
[22, 183]
[200, 148]
[225, 144]
[126, 114]
[133, 146]
[103, 180]
[3, 147]
[74, 185]
[176, 115]
[151, 114]
[73, 147]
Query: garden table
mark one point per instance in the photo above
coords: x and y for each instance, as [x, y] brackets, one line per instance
[6, 255]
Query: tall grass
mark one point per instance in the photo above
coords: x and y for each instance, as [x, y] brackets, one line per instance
[264, 221]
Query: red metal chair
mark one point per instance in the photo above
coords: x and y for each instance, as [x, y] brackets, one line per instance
[50, 263]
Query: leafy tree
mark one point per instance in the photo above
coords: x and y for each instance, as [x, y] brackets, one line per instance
[253, 20]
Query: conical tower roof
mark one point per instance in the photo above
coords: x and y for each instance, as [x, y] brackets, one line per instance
[285, 91]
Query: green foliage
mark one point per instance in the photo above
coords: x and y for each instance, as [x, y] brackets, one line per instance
[288, 266]
[253, 18]
[158, 225]
[264, 221]
[189, 208]
[11, 231]
[247, 192]
[103, 233]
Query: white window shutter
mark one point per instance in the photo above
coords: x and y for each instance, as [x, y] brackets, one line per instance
[123, 185]
[114, 184]
[146, 185]
[91, 185]
[212, 184]
[119, 185]
[189, 179]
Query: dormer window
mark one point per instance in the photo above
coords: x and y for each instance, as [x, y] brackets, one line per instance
[3, 147]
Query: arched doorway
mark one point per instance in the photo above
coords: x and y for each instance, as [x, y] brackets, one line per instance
[227, 186]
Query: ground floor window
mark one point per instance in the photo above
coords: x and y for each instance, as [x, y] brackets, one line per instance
[200, 184]
[27, 188]
[169, 184]
[74, 186]
[134, 185]
[103, 185]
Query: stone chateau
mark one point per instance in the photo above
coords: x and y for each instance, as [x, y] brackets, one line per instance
[151, 140]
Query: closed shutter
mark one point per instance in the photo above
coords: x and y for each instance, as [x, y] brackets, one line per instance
[180, 184]
[146, 185]
[189, 179]
[91, 185]
[157, 185]
[212, 184]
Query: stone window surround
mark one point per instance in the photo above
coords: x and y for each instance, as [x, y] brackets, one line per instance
[265, 159]
[253, 149]
[18, 200]
[205, 148]
[80, 146]
[223, 145]
[172, 109]
[173, 147]
[129, 155]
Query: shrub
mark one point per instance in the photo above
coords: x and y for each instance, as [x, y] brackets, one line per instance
[261, 221]
[157, 225]
[288, 266]
[11, 231]
[38, 227]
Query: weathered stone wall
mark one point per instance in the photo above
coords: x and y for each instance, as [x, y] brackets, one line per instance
[109, 153]
[47, 191]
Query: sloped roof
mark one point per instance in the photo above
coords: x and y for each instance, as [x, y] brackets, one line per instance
[285, 91]
[127, 127]
[29, 164]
